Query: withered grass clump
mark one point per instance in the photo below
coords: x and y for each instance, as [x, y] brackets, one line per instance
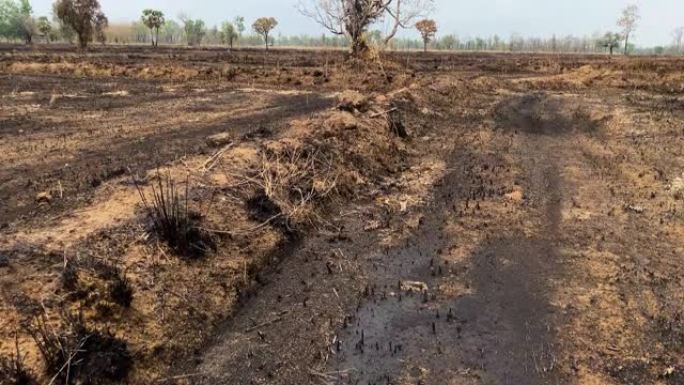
[13, 371]
[292, 181]
[172, 220]
[75, 354]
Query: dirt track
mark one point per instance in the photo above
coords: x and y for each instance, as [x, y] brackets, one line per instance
[526, 233]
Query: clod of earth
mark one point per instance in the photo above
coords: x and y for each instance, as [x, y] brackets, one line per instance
[44, 198]
[220, 140]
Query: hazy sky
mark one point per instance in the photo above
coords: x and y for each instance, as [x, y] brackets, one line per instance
[462, 17]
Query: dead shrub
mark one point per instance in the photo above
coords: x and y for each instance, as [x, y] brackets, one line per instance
[172, 220]
[75, 354]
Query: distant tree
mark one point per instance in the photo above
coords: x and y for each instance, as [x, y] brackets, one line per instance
[213, 35]
[263, 26]
[84, 17]
[427, 29]
[350, 18]
[239, 23]
[194, 30]
[9, 13]
[678, 37]
[628, 23]
[64, 31]
[44, 27]
[404, 13]
[26, 22]
[154, 20]
[16, 20]
[228, 33]
[172, 32]
[448, 42]
[611, 41]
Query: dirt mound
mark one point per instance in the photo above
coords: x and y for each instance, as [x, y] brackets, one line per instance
[580, 78]
[630, 75]
[340, 153]
[95, 69]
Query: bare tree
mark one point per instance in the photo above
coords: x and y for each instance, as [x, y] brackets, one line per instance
[678, 38]
[405, 12]
[427, 29]
[628, 23]
[350, 18]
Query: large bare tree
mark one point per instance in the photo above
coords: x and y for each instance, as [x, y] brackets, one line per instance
[628, 23]
[350, 18]
[404, 13]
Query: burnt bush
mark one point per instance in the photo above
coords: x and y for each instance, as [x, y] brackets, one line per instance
[69, 276]
[173, 222]
[75, 354]
[106, 280]
[121, 291]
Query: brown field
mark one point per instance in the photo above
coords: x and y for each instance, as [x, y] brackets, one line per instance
[422, 219]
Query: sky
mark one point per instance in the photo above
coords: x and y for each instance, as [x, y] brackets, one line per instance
[465, 18]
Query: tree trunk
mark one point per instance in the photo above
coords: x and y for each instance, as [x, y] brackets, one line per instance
[358, 48]
[425, 43]
[266, 38]
[626, 42]
[82, 41]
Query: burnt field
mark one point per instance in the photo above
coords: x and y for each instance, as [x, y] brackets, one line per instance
[422, 218]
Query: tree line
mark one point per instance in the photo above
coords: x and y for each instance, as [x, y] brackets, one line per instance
[349, 23]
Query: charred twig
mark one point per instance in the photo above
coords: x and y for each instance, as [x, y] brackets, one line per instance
[269, 322]
[180, 377]
[375, 115]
